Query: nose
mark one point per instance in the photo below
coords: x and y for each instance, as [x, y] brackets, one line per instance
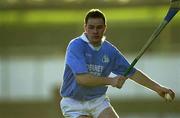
[95, 30]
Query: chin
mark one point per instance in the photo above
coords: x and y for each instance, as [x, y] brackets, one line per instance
[96, 40]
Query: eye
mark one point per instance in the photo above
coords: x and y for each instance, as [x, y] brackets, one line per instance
[90, 27]
[99, 26]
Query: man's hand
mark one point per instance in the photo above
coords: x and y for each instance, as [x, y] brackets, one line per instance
[163, 91]
[118, 81]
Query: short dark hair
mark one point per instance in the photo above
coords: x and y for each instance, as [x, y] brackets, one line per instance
[94, 13]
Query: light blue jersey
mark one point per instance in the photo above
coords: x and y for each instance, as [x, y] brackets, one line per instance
[82, 57]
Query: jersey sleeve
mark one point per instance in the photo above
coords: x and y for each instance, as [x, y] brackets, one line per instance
[75, 58]
[121, 64]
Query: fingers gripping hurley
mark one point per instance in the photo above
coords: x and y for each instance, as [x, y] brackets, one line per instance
[174, 8]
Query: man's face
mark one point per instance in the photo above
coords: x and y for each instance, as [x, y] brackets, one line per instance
[94, 30]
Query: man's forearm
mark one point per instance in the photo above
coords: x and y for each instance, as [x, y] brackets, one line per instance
[90, 80]
[146, 81]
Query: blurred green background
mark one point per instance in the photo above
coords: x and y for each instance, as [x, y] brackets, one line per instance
[33, 38]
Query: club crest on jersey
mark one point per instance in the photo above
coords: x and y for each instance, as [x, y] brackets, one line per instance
[105, 59]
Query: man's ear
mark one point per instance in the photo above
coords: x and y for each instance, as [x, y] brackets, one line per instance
[85, 25]
[105, 28]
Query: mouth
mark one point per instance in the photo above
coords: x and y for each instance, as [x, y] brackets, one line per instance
[96, 37]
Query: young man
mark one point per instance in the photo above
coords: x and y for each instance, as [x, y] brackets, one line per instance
[90, 58]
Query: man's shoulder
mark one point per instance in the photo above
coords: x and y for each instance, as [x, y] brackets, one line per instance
[109, 44]
[112, 48]
[76, 40]
[76, 43]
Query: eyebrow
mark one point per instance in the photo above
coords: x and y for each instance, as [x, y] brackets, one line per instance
[94, 25]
